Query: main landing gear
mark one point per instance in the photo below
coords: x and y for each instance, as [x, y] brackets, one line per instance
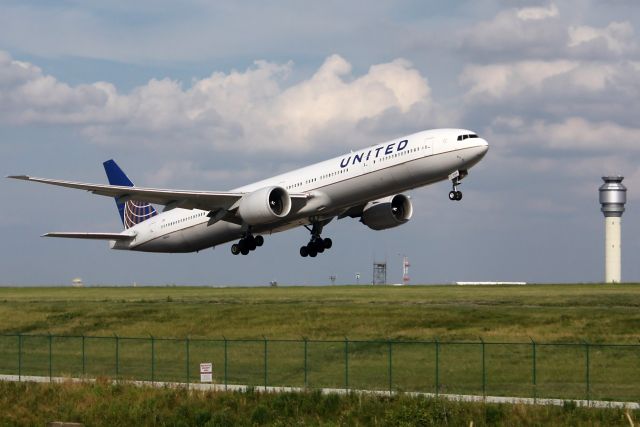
[247, 244]
[317, 244]
[456, 178]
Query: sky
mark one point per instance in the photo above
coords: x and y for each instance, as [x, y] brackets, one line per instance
[213, 95]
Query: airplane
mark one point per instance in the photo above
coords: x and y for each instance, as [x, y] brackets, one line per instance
[367, 184]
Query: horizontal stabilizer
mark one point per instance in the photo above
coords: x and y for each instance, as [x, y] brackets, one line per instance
[92, 236]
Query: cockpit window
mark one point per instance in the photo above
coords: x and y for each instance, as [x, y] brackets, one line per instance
[471, 135]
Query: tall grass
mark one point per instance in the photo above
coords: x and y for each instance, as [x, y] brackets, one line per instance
[107, 404]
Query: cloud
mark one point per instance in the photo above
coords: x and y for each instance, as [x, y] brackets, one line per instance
[499, 81]
[594, 90]
[570, 134]
[531, 30]
[546, 33]
[537, 13]
[256, 108]
[617, 38]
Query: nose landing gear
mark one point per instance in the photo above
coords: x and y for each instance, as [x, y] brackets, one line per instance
[455, 194]
[247, 244]
[456, 180]
[317, 244]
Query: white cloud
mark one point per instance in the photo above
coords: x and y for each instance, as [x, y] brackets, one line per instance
[594, 90]
[617, 37]
[532, 30]
[510, 79]
[537, 13]
[252, 108]
[571, 133]
[578, 133]
[547, 33]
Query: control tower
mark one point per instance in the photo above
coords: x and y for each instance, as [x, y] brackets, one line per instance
[613, 196]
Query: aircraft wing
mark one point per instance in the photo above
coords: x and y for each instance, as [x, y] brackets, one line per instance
[92, 236]
[205, 200]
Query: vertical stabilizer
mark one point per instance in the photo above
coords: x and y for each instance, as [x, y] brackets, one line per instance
[132, 212]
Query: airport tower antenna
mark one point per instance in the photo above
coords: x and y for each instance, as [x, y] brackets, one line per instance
[405, 270]
[613, 196]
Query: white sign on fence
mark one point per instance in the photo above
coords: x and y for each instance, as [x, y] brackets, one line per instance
[206, 372]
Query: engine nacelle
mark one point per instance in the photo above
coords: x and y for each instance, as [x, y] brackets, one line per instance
[265, 205]
[387, 213]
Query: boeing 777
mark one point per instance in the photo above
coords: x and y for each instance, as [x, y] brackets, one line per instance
[366, 184]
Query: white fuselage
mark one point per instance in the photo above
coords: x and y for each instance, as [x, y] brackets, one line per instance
[333, 187]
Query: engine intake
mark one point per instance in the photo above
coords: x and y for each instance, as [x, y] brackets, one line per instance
[387, 213]
[265, 205]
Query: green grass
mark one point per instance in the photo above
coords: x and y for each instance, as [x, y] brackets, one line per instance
[415, 316]
[552, 313]
[105, 404]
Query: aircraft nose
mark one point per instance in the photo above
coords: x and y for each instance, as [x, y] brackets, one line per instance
[484, 146]
[479, 149]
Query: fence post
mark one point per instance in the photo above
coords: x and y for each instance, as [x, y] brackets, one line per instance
[587, 373]
[265, 363]
[306, 384]
[50, 359]
[153, 359]
[84, 372]
[346, 363]
[225, 362]
[533, 368]
[484, 370]
[187, 345]
[117, 356]
[437, 366]
[19, 357]
[390, 365]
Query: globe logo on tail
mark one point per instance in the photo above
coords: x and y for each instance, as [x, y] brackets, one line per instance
[135, 212]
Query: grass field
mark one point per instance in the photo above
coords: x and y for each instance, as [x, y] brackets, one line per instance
[415, 316]
[104, 404]
[551, 313]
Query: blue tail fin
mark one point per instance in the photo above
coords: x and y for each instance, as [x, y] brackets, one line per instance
[132, 212]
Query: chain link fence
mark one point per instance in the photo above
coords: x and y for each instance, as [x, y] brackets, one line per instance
[540, 370]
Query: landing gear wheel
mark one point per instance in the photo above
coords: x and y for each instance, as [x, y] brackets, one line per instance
[259, 240]
[327, 243]
[244, 251]
[453, 195]
[458, 195]
[317, 244]
[235, 249]
[251, 243]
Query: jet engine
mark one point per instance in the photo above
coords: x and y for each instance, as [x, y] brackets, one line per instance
[265, 205]
[387, 212]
